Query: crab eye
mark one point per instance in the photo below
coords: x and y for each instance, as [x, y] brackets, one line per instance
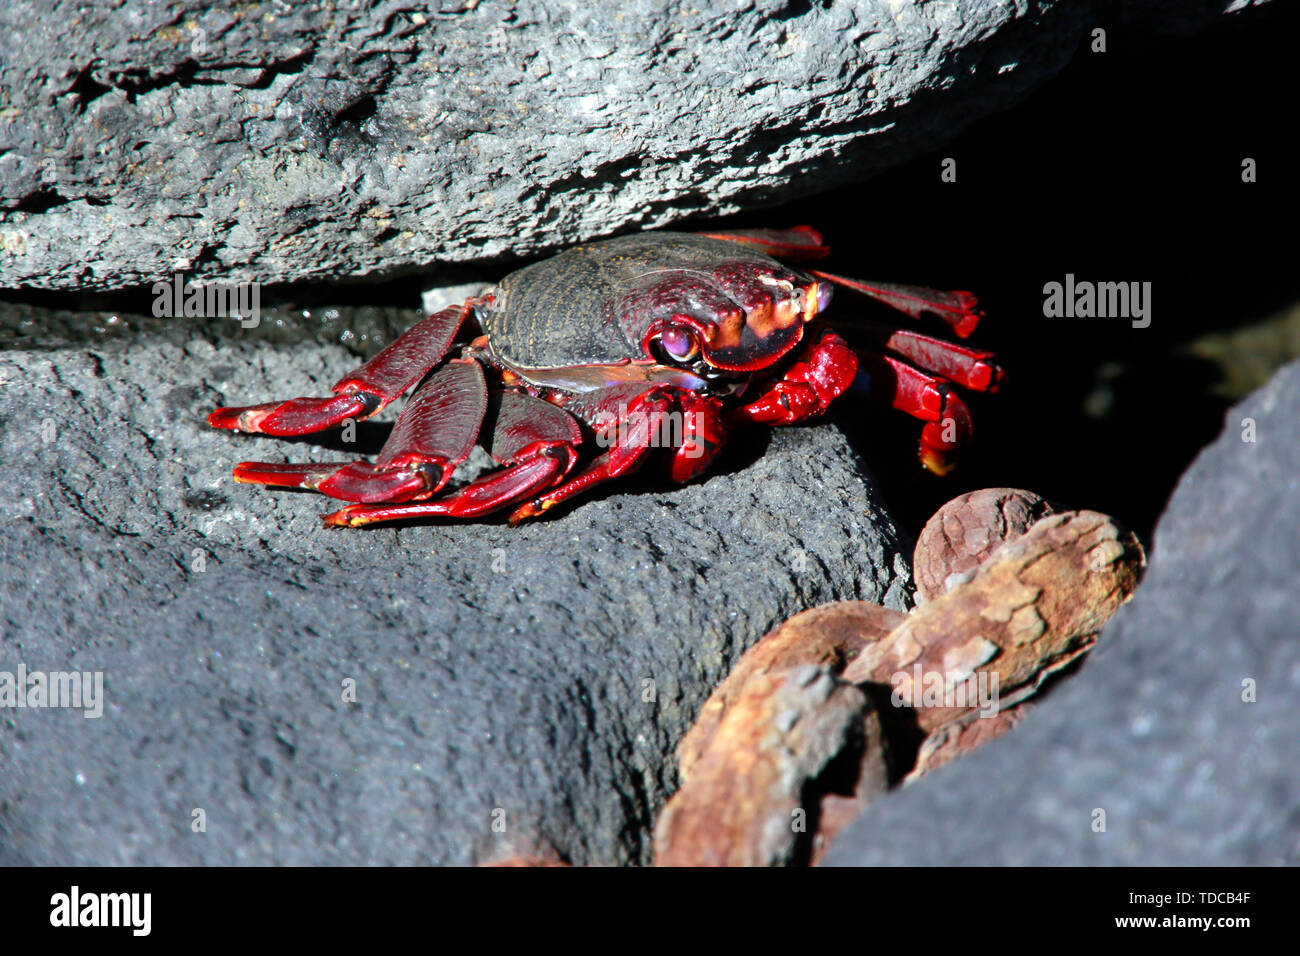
[680, 344]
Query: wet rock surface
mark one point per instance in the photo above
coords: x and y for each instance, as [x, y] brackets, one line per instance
[282, 142]
[537, 677]
[1180, 727]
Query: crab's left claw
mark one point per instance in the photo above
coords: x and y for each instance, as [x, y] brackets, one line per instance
[806, 387]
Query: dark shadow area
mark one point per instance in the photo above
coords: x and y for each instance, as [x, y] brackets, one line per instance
[900, 730]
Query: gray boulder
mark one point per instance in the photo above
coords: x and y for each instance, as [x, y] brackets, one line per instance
[1181, 727]
[279, 141]
[538, 677]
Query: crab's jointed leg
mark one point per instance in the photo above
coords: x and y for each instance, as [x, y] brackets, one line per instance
[362, 392]
[956, 309]
[636, 417]
[435, 432]
[959, 364]
[930, 398]
[538, 443]
[800, 244]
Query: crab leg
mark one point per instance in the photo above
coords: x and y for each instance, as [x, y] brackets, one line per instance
[928, 397]
[360, 393]
[636, 420]
[435, 433]
[956, 309]
[960, 364]
[800, 244]
[538, 442]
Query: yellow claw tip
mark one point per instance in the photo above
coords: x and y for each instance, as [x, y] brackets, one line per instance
[530, 510]
[936, 463]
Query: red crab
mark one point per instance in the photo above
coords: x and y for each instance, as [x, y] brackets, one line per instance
[644, 341]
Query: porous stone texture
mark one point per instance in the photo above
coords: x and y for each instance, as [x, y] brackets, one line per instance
[536, 677]
[279, 141]
[1181, 727]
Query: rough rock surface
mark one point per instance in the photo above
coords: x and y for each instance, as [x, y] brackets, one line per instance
[276, 141]
[1154, 731]
[495, 669]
